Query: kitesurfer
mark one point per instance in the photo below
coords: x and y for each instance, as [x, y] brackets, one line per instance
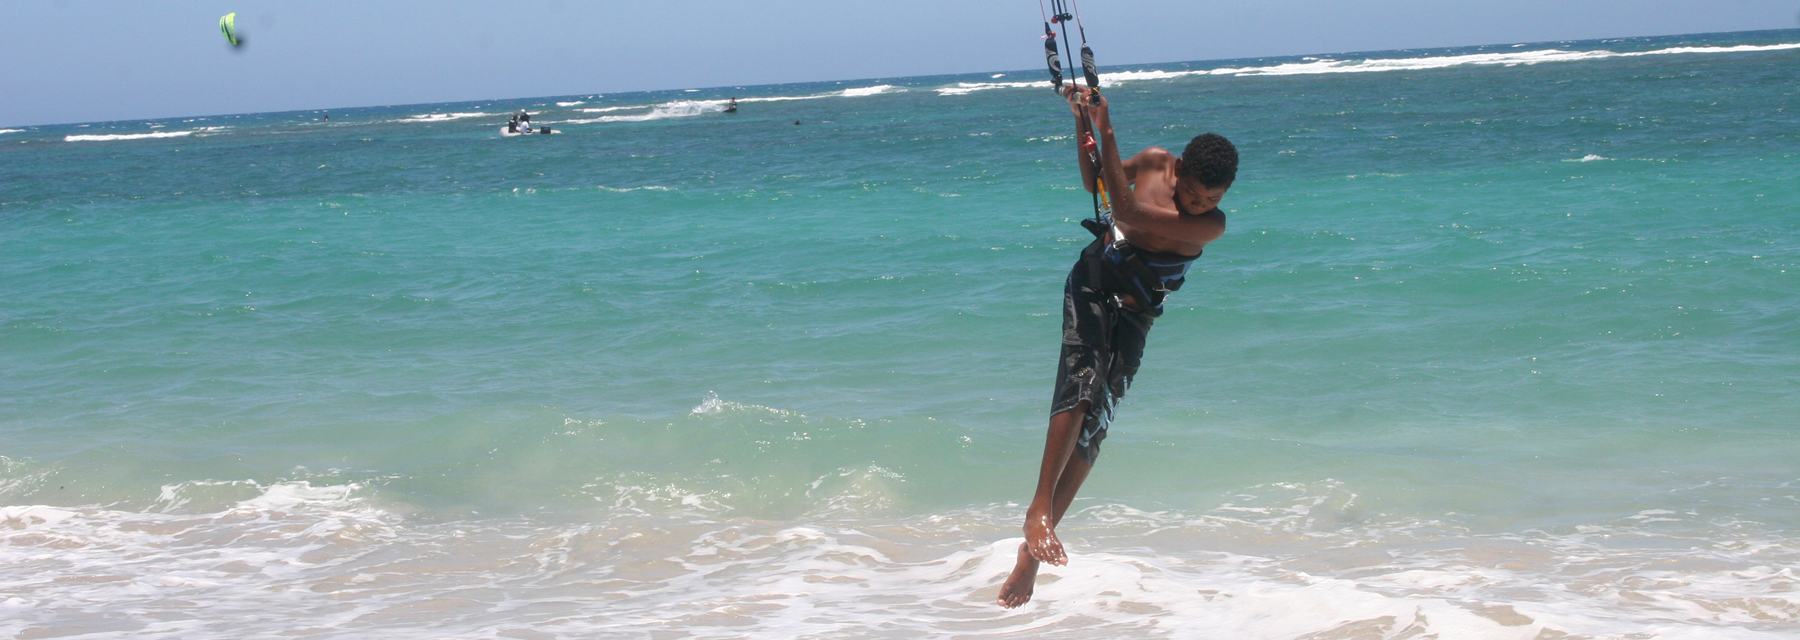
[1165, 211]
[1154, 214]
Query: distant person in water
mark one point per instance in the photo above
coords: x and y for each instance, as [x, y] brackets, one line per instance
[1165, 211]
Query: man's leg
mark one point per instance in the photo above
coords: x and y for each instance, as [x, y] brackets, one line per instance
[1040, 517]
[1081, 365]
[1059, 479]
[1073, 474]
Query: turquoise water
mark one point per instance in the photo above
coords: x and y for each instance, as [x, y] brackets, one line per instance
[1494, 329]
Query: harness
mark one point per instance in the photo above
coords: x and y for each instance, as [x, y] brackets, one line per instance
[1122, 268]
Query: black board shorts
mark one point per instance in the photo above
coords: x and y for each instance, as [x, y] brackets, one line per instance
[1102, 346]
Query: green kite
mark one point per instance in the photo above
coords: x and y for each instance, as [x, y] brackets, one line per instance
[228, 26]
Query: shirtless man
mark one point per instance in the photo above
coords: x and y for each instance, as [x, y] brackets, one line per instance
[1165, 211]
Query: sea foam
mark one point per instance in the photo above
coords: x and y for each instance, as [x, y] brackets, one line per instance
[854, 92]
[664, 111]
[1312, 65]
[443, 117]
[111, 137]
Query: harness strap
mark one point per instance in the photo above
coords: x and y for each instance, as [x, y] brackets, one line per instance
[1122, 268]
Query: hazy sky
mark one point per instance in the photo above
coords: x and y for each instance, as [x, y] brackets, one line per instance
[88, 60]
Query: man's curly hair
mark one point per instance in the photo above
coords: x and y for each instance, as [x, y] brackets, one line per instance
[1211, 159]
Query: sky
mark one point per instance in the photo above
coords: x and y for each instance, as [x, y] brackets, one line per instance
[95, 60]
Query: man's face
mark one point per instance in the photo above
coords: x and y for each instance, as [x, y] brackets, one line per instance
[1195, 198]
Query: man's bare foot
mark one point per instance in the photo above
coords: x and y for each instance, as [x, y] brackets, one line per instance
[1018, 587]
[1040, 539]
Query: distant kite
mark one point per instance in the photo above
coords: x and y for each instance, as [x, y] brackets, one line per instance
[228, 26]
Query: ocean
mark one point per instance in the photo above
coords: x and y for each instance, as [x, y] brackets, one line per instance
[1502, 342]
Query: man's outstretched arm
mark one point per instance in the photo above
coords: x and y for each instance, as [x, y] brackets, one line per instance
[1112, 170]
[1083, 130]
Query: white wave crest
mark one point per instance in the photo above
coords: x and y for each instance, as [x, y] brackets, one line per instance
[856, 92]
[965, 88]
[648, 187]
[26, 516]
[1110, 79]
[1742, 48]
[629, 496]
[6, 131]
[286, 496]
[664, 111]
[1311, 65]
[869, 91]
[571, 103]
[110, 137]
[613, 109]
[443, 117]
[16, 478]
[1410, 64]
[249, 495]
[712, 405]
[1476, 59]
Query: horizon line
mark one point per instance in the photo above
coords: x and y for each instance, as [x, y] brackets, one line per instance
[874, 78]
